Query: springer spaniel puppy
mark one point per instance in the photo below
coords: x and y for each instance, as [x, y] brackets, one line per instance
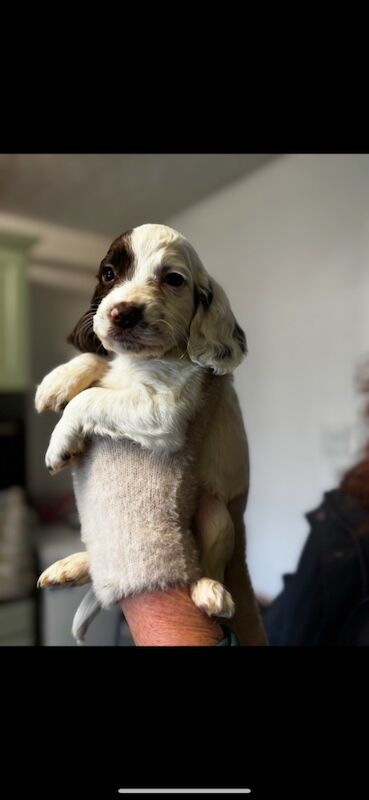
[157, 326]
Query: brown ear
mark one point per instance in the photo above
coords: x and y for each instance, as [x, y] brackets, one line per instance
[216, 340]
[83, 336]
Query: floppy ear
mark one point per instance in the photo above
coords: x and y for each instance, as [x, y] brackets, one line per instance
[216, 340]
[83, 336]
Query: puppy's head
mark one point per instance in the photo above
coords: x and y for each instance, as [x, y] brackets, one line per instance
[154, 297]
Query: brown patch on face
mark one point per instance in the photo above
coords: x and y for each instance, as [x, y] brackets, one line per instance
[120, 258]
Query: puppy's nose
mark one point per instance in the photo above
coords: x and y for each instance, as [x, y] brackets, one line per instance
[126, 315]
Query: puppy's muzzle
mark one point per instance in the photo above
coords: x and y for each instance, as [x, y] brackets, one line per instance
[126, 315]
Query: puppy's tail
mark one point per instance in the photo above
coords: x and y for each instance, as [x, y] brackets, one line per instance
[85, 614]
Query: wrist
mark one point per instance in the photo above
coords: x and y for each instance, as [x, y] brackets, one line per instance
[169, 618]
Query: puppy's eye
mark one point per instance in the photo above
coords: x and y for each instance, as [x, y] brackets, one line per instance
[108, 274]
[174, 279]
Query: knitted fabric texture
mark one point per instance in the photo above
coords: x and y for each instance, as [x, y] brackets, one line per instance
[136, 508]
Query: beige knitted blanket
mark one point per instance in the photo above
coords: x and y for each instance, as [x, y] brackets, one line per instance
[136, 509]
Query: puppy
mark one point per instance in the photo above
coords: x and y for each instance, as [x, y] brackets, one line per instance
[157, 327]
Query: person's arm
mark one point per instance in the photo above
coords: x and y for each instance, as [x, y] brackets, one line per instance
[169, 618]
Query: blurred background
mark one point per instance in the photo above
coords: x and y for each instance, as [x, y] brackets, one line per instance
[288, 238]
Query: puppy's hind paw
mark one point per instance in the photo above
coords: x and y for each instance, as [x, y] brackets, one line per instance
[72, 571]
[212, 598]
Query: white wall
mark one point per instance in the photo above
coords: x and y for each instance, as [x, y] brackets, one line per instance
[290, 244]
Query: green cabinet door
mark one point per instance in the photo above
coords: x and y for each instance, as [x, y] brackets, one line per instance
[14, 316]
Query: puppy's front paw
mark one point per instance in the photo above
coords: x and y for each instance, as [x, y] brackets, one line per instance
[56, 390]
[61, 451]
[56, 461]
[212, 598]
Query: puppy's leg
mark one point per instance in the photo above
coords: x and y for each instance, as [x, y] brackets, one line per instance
[151, 419]
[73, 570]
[247, 622]
[65, 444]
[215, 532]
[68, 380]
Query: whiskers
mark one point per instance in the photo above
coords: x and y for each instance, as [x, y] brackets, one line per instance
[177, 338]
[171, 329]
[179, 334]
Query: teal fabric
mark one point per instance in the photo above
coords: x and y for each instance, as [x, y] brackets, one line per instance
[230, 638]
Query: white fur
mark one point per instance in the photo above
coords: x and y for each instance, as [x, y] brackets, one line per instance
[150, 396]
[212, 598]
[149, 402]
[204, 334]
[73, 569]
[58, 387]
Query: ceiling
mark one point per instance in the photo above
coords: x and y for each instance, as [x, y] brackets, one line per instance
[107, 194]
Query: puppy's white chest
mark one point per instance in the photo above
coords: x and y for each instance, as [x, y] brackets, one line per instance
[157, 377]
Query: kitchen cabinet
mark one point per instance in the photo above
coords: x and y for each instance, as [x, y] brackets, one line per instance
[14, 314]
